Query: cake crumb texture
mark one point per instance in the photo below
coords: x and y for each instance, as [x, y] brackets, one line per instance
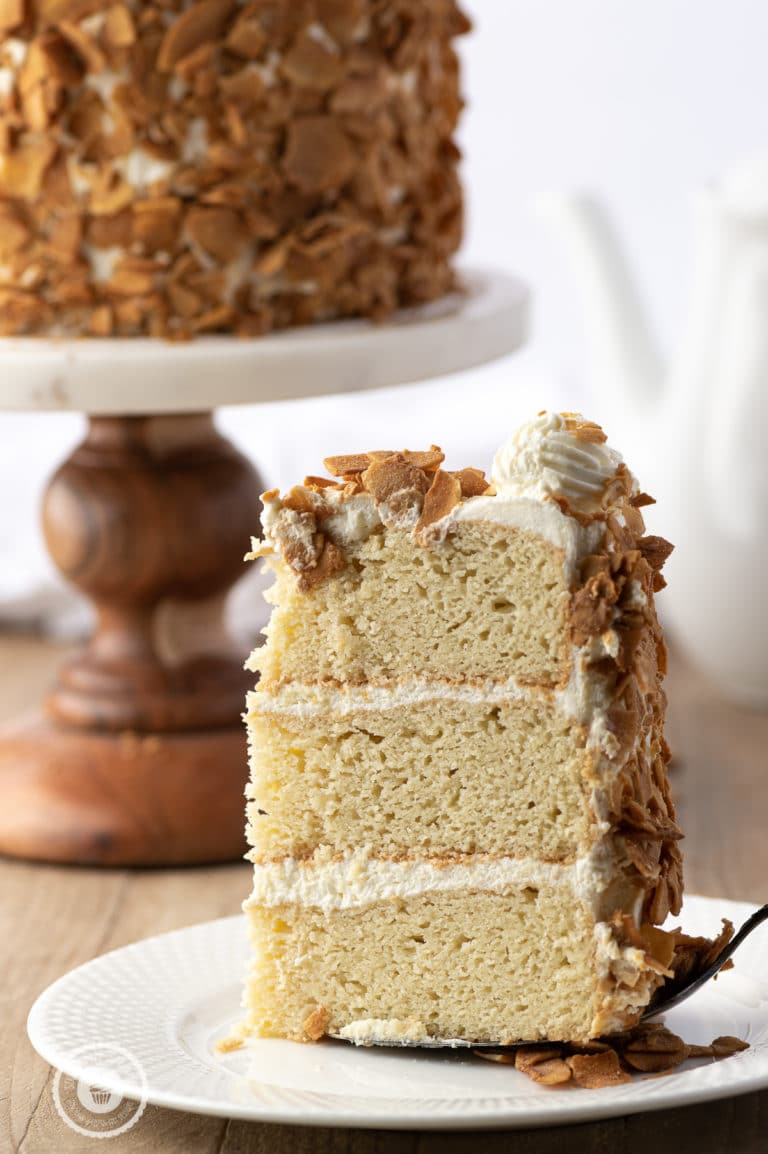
[489, 602]
[474, 966]
[441, 777]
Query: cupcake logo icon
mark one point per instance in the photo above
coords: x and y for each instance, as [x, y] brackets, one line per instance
[90, 1100]
[97, 1099]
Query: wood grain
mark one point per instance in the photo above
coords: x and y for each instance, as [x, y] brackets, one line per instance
[53, 918]
[149, 517]
[70, 795]
[140, 759]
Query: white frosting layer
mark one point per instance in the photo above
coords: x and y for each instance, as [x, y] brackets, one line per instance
[376, 1031]
[544, 459]
[585, 699]
[358, 879]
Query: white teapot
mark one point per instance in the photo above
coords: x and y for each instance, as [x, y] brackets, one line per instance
[698, 429]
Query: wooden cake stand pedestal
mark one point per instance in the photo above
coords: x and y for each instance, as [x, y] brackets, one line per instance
[138, 755]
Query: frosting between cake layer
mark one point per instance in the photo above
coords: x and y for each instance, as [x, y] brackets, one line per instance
[358, 879]
[585, 698]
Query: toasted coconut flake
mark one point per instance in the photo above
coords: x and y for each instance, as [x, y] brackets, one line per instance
[443, 495]
[313, 61]
[11, 15]
[503, 1057]
[472, 481]
[655, 550]
[384, 478]
[85, 47]
[653, 1048]
[330, 561]
[316, 1024]
[199, 24]
[320, 483]
[119, 29]
[430, 461]
[319, 156]
[584, 430]
[543, 1064]
[23, 170]
[596, 1071]
[347, 465]
[726, 1045]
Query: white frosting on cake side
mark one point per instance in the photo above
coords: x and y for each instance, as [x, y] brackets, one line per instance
[532, 515]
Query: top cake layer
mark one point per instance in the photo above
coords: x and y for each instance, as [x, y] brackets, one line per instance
[173, 168]
[557, 491]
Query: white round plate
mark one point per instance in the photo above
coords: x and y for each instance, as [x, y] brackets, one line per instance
[167, 1000]
[486, 320]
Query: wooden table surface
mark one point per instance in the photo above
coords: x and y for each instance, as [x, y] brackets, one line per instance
[52, 919]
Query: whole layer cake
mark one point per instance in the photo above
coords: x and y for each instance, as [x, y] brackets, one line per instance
[175, 167]
[459, 812]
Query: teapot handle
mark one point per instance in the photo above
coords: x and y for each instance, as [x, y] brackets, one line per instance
[738, 409]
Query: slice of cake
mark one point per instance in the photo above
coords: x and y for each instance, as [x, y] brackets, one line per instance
[175, 167]
[459, 809]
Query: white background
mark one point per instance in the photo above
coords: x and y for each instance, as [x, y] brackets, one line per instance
[640, 102]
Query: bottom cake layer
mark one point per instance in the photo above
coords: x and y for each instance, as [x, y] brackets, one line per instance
[522, 965]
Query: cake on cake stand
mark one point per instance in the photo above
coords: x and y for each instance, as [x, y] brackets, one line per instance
[138, 754]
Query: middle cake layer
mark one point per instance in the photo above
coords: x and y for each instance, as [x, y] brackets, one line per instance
[436, 770]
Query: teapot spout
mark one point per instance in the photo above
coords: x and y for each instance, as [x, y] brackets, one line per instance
[625, 361]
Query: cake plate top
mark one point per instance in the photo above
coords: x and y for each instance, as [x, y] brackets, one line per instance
[484, 321]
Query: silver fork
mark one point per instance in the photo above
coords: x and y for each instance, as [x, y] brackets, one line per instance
[672, 995]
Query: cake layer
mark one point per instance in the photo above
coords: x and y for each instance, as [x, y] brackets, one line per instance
[463, 772]
[525, 964]
[490, 601]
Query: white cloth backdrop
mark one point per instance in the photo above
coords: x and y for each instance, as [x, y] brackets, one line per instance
[641, 102]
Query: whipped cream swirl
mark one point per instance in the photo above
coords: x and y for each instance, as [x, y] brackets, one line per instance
[546, 458]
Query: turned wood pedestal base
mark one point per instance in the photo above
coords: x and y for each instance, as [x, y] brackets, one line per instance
[139, 756]
[128, 799]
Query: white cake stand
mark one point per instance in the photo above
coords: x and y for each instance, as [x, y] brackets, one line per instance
[138, 756]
